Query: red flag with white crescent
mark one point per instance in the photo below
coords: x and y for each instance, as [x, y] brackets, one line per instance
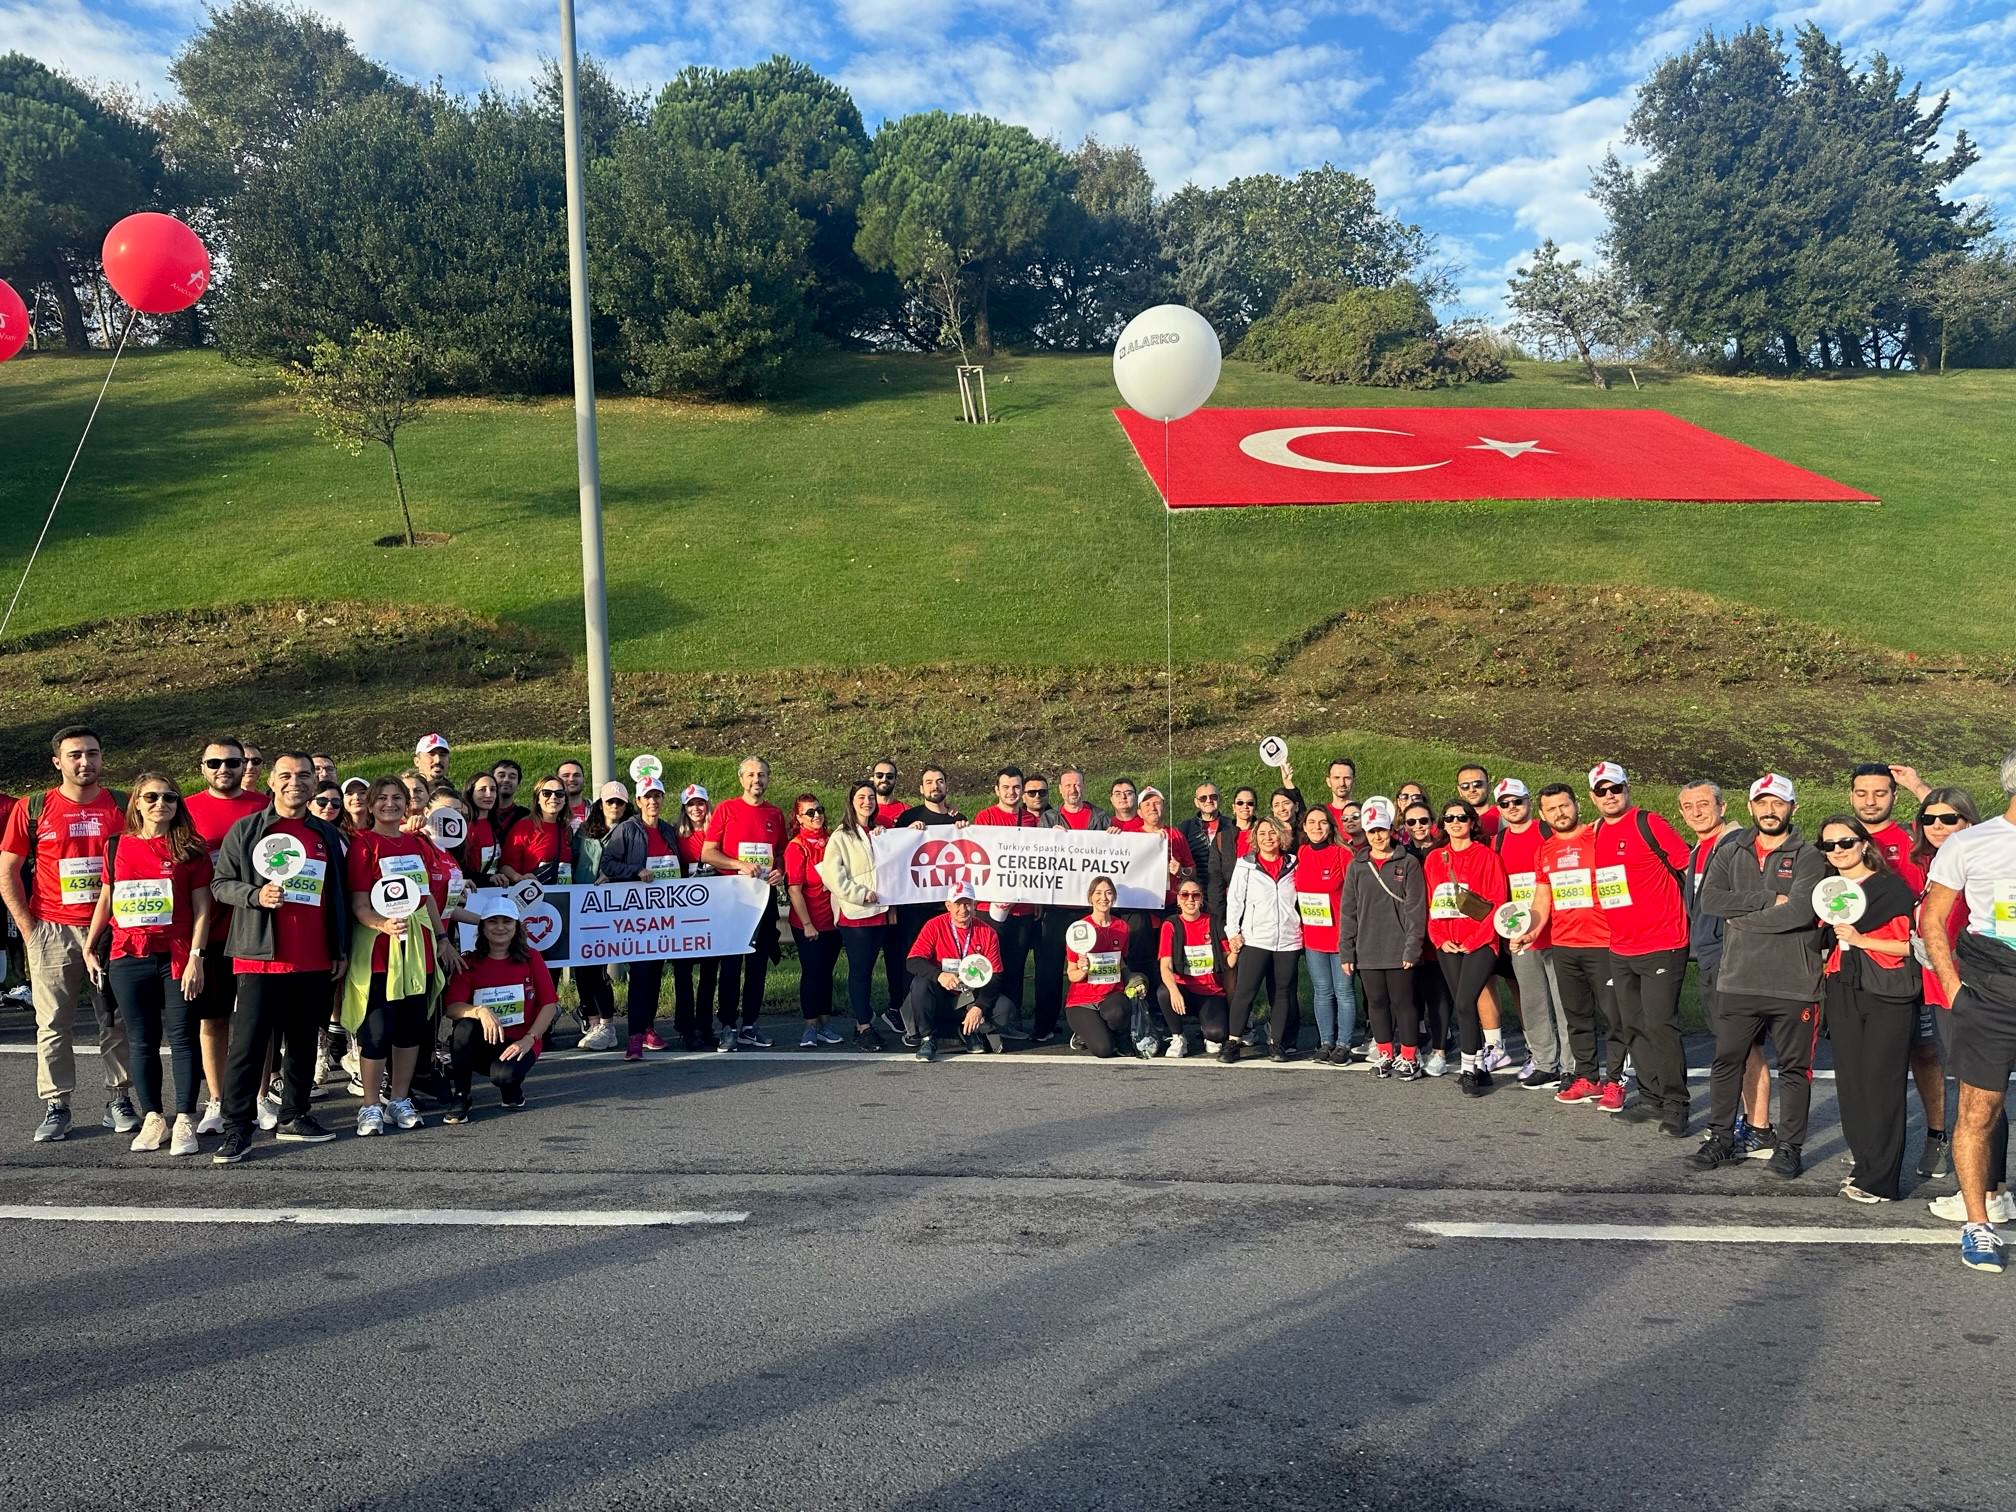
[1231, 457]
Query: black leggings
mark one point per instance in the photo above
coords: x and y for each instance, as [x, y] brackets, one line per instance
[1277, 969]
[647, 978]
[1388, 995]
[816, 955]
[863, 944]
[1207, 1010]
[1466, 976]
[1102, 1025]
[390, 1024]
[1872, 1073]
[689, 1013]
[151, 1003]
[470, 1053]
[1431, 995]
[598, 994]
[742, 977]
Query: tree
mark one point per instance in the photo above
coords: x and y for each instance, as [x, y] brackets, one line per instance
[1968, 297]
[942, 285]
[1328, 332]
[985, 190]
[364, 390]
[1559, 305]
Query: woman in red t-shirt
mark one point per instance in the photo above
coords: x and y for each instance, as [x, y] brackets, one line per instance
[1319, 896]
[479, 853]
[812, 922]
[1193, 983]
[694, 980]
[1466, 883]
[500, 1002]
[156, 899]
[543, 845]
[1095, 995]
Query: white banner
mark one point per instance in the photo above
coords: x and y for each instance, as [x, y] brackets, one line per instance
[1048, 866]
[612, 922]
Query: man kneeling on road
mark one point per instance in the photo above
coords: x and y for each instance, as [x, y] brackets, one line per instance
[942, 985]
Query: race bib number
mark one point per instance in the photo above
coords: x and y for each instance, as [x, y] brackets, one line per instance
[305, 886]
[1573, 888]
[1197, 961]
[2002, 915]
[1524, 885]
[950, 964]
[144, 904]
[458, 888]
[1104, 966]
[1315, 910]
[506, 1004]
[1446, 902]
[489, 858]
[412, 868]
[762, 852]
[80, 878]
[1612, 891]
[662, 869]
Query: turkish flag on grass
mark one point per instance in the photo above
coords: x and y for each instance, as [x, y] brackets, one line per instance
[1221, 457]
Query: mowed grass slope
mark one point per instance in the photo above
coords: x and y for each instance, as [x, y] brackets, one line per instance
[854, 521]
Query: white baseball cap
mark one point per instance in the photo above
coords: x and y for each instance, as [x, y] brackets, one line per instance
[1376, 813]
[960, 890]
[1607, 771]
[494, 903]
[356, 782]
[1774, 785]
[1509, 787]
[428, 743]
[650, 785]
[692, 791]
[615, 790]
[1149, 792]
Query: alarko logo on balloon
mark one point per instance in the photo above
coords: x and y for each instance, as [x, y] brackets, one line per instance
[940, 863]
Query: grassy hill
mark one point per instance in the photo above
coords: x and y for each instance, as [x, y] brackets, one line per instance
[846, 570]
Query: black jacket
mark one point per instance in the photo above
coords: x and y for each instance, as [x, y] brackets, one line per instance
[236, 883]
[1770, 949]
[1704, 930]
[1192, 831]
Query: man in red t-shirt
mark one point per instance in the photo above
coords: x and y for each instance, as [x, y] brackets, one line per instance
[51, 905]
[1015, 923]
[1640, 859]
[746, 835]
[888, 807]
[1575, 934]
[937, 990]
[17, 952]
[222, 802]
[1518, 841]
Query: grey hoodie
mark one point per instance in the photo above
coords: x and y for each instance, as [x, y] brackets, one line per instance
[1382, 922]
[1769, 949]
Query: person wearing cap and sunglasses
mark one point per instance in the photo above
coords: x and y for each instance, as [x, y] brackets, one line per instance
[500, 1004]
[937, 990]
[591, 983]
[1382, 924]
[430, 758]
[221, 803]
[1466, 884]
[642, 847]
[1768, 981]
[694, 979]
[1640, 859]
[1518, 841]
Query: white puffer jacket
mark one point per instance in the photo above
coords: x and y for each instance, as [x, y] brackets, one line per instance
[1262, 910]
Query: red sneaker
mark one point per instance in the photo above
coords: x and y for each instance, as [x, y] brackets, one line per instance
[635, 1049]
[652, 1042]
[1612, 1100]
[1580, 1090]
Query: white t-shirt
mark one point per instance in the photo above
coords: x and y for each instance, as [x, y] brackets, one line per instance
[1980, 862]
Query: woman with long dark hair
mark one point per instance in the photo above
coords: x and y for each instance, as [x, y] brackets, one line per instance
[500, 1003]
[693, 1016]
[543, 845]
[1263, 942]
[812, 924]
[1466, 883]
[861, 918]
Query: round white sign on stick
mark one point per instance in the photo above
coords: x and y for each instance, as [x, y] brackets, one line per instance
[447, 826]
[1512, 919]
[542, 926]
[1081, 936]
[1837, 900]
[526, 893]
[1274, 751]
[279, 858]
[975, 971]
[396, 897]
[1166, 362]
[645, 766]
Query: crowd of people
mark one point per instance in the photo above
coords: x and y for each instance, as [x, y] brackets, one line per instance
[1449, 924]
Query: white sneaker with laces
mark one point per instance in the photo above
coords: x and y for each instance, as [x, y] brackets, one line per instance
[2001, 1208]
[370, 1120]
[405, 1114]
[601, 1037]
[1179, 1047]
[153, 1129]
[183, 1141]
[212, 1121]
[269, 1114]
[1437, 1064]
[1494, 1058]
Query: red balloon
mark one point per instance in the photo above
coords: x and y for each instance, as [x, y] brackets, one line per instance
[13, 321]
[155, 263]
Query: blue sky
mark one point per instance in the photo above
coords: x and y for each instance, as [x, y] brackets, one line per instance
[1479, 121]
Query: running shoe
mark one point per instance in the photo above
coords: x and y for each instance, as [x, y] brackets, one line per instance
[889, 1024]
[1951, 1207]
[120, 1116]
[1856, 1193]
[511, 1094]
[404, 1114]
[1438, 1064]
[236, 1144]
[1981, 1248]
[1786, 1162]
[153, 1129]
[1179, 1046]
[869, 1041]
[1580, 1090]
[1754, 1143]
[1228, 1053]
[183, 1140]
[1612, 1100]
[1408, 1070]
[1475, 1082]
[1936, 1159]
[370, 1120]
[268, 1113]
[927, 1049]
[212, 1121]
[751, 1037]
[355, 1086]
[826, 1036]
[633, 1049]
[1718, 1149]
[1542, 1081]
[809, 1040]
[1382, 1067]
[602, 1037]
[55, 1124]
[1528, 1069]
[328, 1064]
[304, 1130]
[653, 1042]
[458, 1112]
[726, 1042]
[1495, 1058]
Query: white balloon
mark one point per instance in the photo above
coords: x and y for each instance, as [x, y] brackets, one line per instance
[1166, 362]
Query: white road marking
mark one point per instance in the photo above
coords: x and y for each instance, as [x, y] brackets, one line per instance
[1687, 1233]
[381, 1217]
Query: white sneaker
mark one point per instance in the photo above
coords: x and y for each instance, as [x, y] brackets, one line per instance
[1179, 1046]
[184, 1140]
[328, 1068]
[601, 1037]
[153, 1129]
[405, 1114]
[370, 1120]
[349, 1060]
[212, 1121]
[269, 1114]
[2001, 1208]
[1494, 1058]
[1437, 1064]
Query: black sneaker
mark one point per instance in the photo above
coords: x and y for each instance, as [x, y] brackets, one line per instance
[1639, 1112]
[1541, 1081]
[927, 1049]
[1716, 1150]
[458, 1112]
[1674, 1126]
[1230, 1054]
[237, 1142]
[1474, 1082]
[1936, 1159]
[304, 1130]
[1786, 1162]
[511, 1094]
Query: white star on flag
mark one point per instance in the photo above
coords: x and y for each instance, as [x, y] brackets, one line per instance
[1510, 448]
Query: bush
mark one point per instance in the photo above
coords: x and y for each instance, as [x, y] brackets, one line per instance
[1385, 338]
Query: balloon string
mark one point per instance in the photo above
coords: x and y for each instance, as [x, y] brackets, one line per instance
[9, 617]
[1169, 612]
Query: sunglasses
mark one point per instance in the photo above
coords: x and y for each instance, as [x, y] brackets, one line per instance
[1851, 843]
[885, 776]
[1185, 896]
[1470, 787]
[160, 797]
[254, 761]
[1420, 824]
[1511, 803]
[1242, 803]
[811, 813]
[1944, 816]
[1455, 818]
[1607, 789]
[551, 793]
[324, 802]
[225, 763]
[1206, 798]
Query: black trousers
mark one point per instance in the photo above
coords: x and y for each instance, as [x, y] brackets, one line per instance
[290, 1008]
[1050, 951]
[816, 955]
[742, 977]
[598, 994]
[1019, 934]
[689, 1010]
[1144, 929]
[1588, 1002]
[863, 944]
[640, 1008]
[1208, 1012]
[1465, 976]
[1647, 988]
[1431, 994]
[1102, 1026]
[150, 1001]
[470, 1053]
[1872, 1072]
[898, 935]
[1275, 969]
[928, 1008]
[1739, 1022]
[1388, 996]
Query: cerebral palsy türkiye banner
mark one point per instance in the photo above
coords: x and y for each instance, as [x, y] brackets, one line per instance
[613, 922]
[1050, 866]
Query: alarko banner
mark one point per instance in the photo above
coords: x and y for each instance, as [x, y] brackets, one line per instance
[1232, 457]
[1049, 866]
[613, 922]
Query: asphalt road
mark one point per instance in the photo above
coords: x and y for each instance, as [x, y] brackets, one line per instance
[990, 1283]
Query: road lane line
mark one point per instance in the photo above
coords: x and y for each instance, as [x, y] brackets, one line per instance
[381, 1217]
[1687, 1233]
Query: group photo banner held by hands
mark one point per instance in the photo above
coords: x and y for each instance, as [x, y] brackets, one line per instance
[1047, 866]
[608, 923]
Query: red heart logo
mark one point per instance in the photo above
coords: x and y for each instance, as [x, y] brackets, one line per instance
[540, 929]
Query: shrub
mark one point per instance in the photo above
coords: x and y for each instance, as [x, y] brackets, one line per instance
[1386, 338]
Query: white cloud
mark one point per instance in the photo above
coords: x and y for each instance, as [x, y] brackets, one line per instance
[82, 41]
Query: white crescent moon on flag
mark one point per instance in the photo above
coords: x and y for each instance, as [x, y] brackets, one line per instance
[1272, 446]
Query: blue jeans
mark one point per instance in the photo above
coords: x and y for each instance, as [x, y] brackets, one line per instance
[1336, 996]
